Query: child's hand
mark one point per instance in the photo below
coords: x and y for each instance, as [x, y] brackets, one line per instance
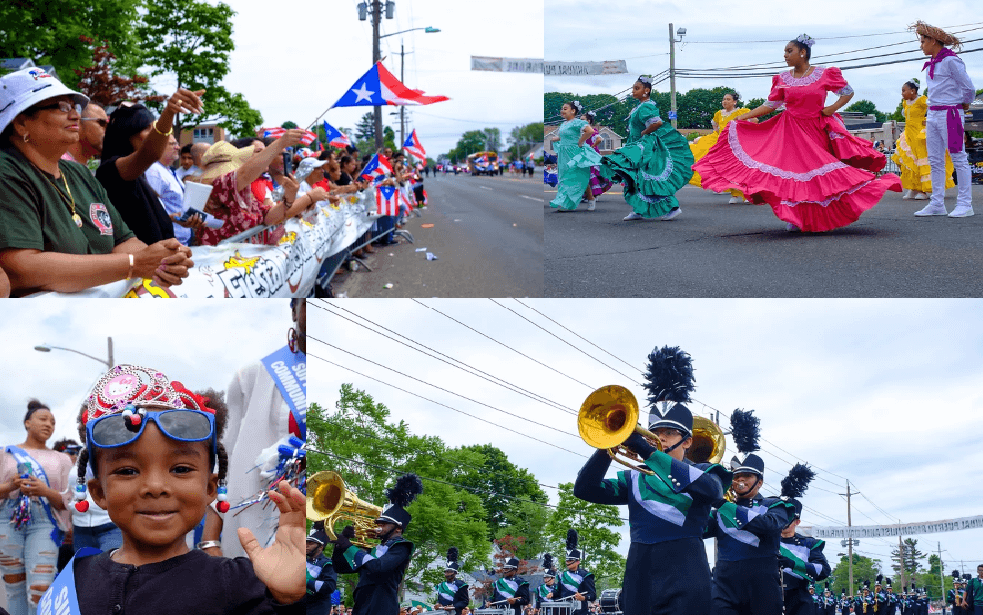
[281, 565]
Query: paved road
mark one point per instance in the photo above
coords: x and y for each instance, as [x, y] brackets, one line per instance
[487, 235]
[718, 250]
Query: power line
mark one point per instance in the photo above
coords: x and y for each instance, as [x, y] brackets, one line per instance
[825, 38]
[503, 383]
[524, 435]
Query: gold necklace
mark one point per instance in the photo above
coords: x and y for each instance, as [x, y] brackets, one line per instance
[68, 199]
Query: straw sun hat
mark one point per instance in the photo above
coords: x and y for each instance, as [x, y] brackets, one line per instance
[923, 29]
[223, 158]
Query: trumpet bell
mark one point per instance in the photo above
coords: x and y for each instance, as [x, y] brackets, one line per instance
[330, 501]
[709, 442]
[608, 416]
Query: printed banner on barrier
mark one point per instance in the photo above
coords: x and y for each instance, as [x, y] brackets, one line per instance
[507, 65]
[255, 271]
[577, 69]
[901, 529]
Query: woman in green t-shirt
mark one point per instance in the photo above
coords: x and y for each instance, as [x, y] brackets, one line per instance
[58, 229]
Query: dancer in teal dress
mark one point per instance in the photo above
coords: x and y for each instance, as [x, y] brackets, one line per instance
[654, 164]
[574, 159]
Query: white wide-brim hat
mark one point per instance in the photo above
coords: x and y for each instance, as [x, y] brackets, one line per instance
[27, 87]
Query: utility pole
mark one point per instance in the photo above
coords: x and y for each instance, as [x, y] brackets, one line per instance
[901, 557]
[672, 77]
[376, 56]
[941, 578]
[849, 523]
[112, 361]
[402, 108]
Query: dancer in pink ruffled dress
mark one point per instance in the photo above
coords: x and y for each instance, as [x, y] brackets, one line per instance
[804, 163]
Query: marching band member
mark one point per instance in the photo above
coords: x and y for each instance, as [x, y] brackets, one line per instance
[846, 603]
[512, 589]
[748, 532]
[865, 603]
[803, 562]
[880, 598]
[544, 593]
[452, 595]
[321, 577]
[892, 599]
[955, 595]
[576, 581]
[829, 601]
[380, 570]
[667, 571]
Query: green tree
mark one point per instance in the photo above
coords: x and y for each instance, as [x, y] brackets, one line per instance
[102, 82]
[237, 116]
[500, 485]
[597, 540]
[521, 138]
[867, 107]
[370, 452]
[470, 142]
[864, 568]
[389, 138]
[289, 125]
[909, 559]
[365, 129]
[51, 33]
[193, 40]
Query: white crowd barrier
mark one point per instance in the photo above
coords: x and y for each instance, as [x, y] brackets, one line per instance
[288, 268]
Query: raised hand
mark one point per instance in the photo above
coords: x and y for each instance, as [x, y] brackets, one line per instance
[281, 565]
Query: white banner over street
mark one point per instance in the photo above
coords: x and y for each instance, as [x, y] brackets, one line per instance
[578, 69]
[902, 529]
[507, 65]
[245, 270]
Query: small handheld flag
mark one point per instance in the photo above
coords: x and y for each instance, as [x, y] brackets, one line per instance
[414, 148]
[335, 137]
[386, 201]
[376, 169]
[379, 87]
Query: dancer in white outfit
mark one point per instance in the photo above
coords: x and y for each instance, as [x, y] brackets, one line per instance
[950, 91]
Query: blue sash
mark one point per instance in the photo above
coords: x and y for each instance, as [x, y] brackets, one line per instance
[61, 597]
[289, 372]
[21, 456]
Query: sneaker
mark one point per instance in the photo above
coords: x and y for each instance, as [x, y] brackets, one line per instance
[908, 194]
[632, 216]
[919, 196]
[791, 228]
[672, 214]
[962, 211]
[931, 210]
[734, 200]
[591, 205]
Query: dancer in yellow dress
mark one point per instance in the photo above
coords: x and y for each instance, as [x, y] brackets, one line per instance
[911, 153]
[731, 111]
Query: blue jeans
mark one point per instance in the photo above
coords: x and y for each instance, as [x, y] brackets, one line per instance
[28, 557]
[103, 537]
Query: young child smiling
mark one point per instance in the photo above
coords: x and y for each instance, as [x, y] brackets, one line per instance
[151, 445]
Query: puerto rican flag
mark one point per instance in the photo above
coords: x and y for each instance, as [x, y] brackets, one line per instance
[276, 133]
[387, 200]
[335, 137]
[414, 148]
[376, 169]
[378, 87]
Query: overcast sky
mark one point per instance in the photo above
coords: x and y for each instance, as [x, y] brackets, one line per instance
[728, 34]
[884, 393]
[295, 58]
[198, 343]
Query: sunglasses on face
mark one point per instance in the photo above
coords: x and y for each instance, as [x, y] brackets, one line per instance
[182, 425]
[97, 120]
[62, 105]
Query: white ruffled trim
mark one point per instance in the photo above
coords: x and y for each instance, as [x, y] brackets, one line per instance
[774, 104]
[749, 162]
[652, 120]
[794, 82]
[826, 202]
[846, 91]
[661, 176]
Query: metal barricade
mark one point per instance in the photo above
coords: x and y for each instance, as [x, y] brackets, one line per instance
[556, 608]
[492, 611]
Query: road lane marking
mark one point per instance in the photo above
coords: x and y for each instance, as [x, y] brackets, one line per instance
[485, 188]
[532, 198]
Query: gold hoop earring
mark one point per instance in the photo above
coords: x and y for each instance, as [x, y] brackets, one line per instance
[25, 137]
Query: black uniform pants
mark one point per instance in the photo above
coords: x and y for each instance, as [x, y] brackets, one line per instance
[668, 578]
[798, 601]
[748, 587]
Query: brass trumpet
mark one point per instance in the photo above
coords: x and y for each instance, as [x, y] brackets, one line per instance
[610, 414]
[330, 501]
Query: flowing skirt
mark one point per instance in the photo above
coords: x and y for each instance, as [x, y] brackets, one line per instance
[653, 169]
[911, 156]
[573, 166]
[810, 170]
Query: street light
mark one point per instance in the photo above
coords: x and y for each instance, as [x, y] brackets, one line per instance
[108, 363]
[427, 30]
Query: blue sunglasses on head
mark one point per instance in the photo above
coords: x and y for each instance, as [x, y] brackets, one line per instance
[183, 425]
